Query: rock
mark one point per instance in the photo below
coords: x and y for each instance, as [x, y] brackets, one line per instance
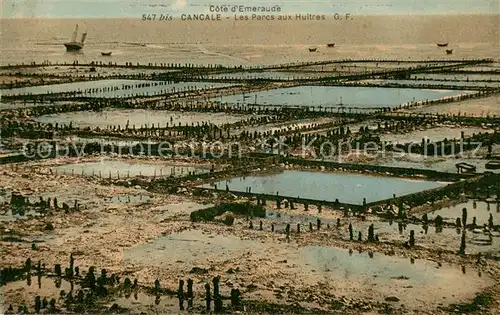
[198, 270]
[49, 226]
[392, 299]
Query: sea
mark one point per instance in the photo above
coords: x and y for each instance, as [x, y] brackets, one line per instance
[251, 43]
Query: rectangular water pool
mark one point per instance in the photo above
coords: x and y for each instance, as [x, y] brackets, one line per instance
[119, 169]
[114, 88]
[331, 96]
[138, 117]
[347, 188]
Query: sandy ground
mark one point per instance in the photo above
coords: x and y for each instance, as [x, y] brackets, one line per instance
[139, 117]
[482, 107]
[154, 239]
[438, 133]
[79, 71]
[148, 236]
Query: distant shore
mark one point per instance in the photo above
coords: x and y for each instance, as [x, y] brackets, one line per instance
[358, 29]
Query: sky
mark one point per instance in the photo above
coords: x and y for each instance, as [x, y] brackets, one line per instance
[135, 8]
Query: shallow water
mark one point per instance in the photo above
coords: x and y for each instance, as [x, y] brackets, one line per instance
[280, 219]
[79, 71]
[142, 303]
[433, 134]
[384, 268]
[115, 169]
[6, 196]
[403, 37]
[437, 83]
[376, 273]
[288, 126]
[357, 67]
[488, 106]
[106, 141]
[137, 118]
[448, 238]
[115, 88]
[331, 96]
[479, 209]
[441, 164]
[5, 106]
[386, 230]
[456, 76]
[270, 75]
[23, 213]
[190, 247]
[348, 188]
[10, 215]
[47, 288]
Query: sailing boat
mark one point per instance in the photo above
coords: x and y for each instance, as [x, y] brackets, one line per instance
[74, 45]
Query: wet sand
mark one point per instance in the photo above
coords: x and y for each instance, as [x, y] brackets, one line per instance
[141, 229]
[127, 237]
[480, 107]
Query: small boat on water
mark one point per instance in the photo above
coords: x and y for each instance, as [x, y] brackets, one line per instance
[106, 53]
[313, 49]
[493, 165]
[449, 51]
[330, 45]
[442, 44]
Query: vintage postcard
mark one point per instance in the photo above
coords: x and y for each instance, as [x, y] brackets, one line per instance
[250, 157]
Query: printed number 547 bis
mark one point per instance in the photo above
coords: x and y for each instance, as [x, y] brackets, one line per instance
[149, 17]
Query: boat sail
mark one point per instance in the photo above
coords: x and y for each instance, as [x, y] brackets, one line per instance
[75, 34]
[84, 35]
